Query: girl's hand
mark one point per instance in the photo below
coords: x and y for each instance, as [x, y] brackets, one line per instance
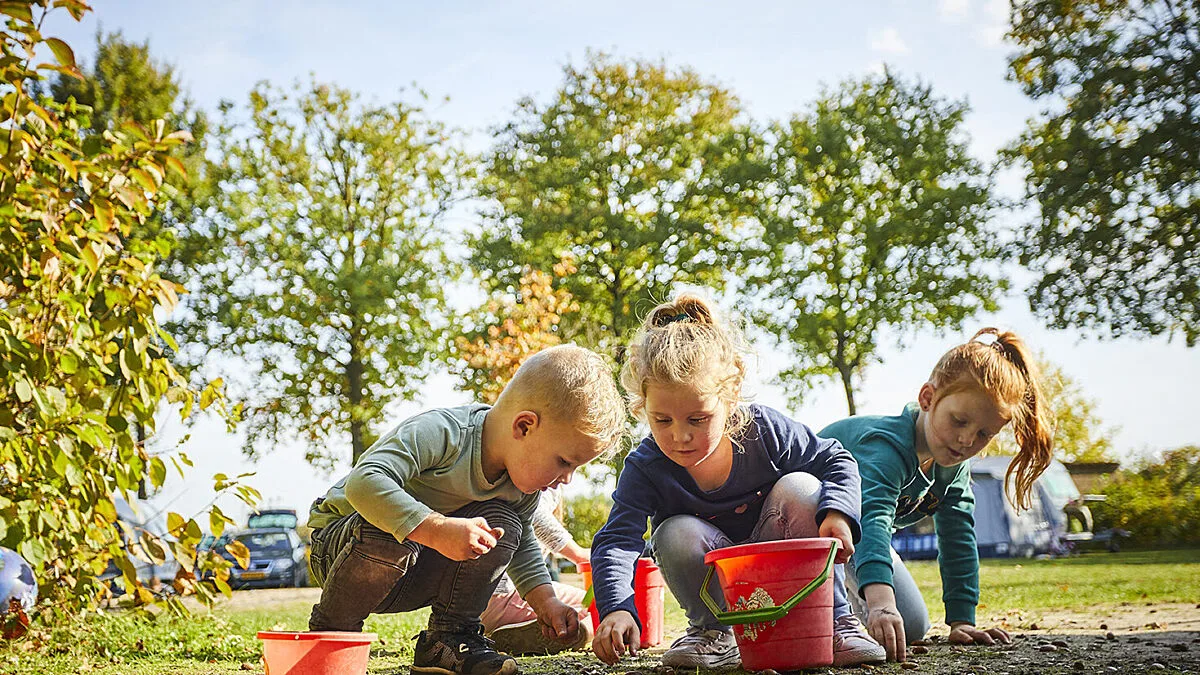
[964, 633]
[617, 633]
[884, 621]
[837, 525]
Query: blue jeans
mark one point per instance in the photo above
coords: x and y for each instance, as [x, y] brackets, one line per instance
[363, 570]
[680, 543]
[908, 599]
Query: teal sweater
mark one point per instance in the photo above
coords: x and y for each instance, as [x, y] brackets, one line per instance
[896, 493]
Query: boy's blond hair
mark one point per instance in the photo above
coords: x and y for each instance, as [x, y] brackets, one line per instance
[570, 384]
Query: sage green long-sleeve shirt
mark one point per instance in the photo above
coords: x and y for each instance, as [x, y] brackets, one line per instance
[896, 493]
[431, 462]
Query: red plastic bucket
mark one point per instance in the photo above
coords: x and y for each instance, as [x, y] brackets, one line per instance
[648, 592]
[780, 600]
[316, 653]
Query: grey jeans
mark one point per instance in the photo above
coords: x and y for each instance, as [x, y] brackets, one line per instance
[363, 570]
[680, 543]
[908, 599]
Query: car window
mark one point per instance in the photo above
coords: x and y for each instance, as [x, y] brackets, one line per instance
[287, 520]
[264, 541]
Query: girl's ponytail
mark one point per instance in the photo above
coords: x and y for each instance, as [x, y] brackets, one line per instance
[1031, 424]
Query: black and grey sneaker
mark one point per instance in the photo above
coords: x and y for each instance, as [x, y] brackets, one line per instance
[466, 653]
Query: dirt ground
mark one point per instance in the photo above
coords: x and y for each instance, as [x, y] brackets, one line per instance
[1130, 638]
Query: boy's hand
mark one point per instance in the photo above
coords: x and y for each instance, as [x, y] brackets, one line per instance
[457, 538]
[964, 633]
[837, 525]
[617, 633]
[558, 620]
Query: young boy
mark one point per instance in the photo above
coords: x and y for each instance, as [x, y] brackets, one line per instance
[438, 508]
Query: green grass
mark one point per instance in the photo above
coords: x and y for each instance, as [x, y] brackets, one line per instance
[1079, 582]
[222, 641]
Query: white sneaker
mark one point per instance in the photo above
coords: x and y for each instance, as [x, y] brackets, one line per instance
[701, 648]
[852, 645]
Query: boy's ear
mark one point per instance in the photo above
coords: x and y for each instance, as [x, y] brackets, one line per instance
[925, 396]
[524, 422]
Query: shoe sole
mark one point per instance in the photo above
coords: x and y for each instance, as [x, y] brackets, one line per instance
[859, 657]
[509, 668]
[731, 660]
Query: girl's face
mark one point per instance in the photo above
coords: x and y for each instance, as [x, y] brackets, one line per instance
[956, 427]
[688, 426]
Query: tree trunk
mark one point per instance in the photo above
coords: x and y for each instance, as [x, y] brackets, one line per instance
[841, 362]
[849, 390]
[354, 390]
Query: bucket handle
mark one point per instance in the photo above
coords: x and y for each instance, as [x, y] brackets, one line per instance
[764, 614]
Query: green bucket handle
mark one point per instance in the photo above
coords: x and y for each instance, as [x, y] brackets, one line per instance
[764, 614]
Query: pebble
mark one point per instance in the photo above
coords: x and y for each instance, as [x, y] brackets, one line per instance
[1060, 643]
[1111, 669]
[1110, 636]
[1157, 666]
[247, 666]
[1047, 648]
[919, 649]
[1033, 626]
[1103, 626]
[909, 665]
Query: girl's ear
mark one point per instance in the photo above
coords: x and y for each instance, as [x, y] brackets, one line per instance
[925, 396]
[523, 423]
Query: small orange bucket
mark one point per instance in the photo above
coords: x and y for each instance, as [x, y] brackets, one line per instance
[315, 653]
[781, 599]
[649, 592]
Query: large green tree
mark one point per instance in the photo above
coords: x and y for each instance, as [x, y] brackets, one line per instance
[81, 349]
[621, 172]
[1113, 162]
[328, 284]
[874, 220]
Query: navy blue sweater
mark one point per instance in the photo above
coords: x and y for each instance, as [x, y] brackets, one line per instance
[652, 486]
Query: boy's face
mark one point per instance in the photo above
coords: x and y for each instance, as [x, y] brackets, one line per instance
[550, 451]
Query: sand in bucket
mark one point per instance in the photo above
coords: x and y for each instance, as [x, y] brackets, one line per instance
[780, 599]
[315, 653]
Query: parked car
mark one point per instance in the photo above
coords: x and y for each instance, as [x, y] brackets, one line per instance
[134, 520]
[277, 558]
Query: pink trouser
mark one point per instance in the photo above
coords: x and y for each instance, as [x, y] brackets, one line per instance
[507, 608]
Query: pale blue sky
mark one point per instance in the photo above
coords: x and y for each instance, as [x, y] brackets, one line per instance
[774, 55]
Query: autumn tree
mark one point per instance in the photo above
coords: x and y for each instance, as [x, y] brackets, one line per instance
[873, 219]
[1113, 163]
[1079, 433]
[83, 355]
[325, 296]
[506, 330]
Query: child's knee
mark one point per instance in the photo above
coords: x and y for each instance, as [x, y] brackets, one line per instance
[681, 537]
[497, 514]
[797, 487]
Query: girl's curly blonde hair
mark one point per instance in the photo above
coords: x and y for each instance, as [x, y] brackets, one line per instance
[685, 341]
